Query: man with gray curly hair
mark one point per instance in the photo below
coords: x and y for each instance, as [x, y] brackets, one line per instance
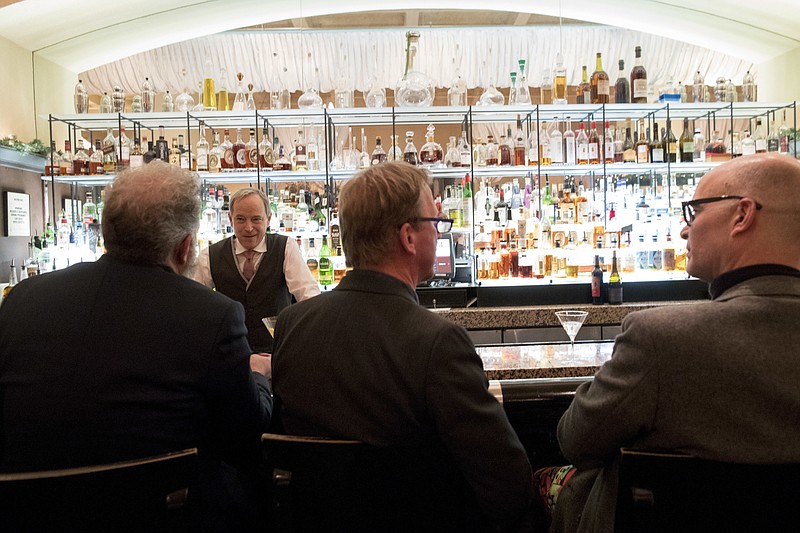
[127, 357]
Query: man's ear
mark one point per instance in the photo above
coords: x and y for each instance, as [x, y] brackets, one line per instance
[745, 215]
[407, 238]
[183, 250]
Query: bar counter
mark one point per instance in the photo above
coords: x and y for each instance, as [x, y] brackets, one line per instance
[476, 318]
[537, 361]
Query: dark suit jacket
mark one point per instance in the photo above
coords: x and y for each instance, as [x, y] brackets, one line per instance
[718, 380]
[366, 361]
[106, 361]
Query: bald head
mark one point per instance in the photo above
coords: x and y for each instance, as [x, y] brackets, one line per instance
[763, 227]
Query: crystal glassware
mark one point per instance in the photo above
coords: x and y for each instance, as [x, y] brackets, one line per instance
[490, 96]
[414, 89]
[118, 100]
[81, 98]
[148, 96]
[571, 321]
[240, 100]
[457, 93]
[167, 104]
[184, 101]
[105, 103]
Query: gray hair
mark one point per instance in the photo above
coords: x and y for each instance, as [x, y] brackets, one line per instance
[373, 204]
[247, 191]
[149, 211]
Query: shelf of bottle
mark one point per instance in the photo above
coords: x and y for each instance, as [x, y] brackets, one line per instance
[608, 169]
[586, 278]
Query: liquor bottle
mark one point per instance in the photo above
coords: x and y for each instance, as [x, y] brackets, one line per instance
[594, 145]
[364, 159]
[619, 144]
[105, 104]
[698, 88]
[453, 157]
[656, 146]
[148, 96]
[628, 148]
[167, 103]
[162, 147]
[394, 153]
[80, 161]
[118, 100]
[96, 160]
[378, 155]
[546, 88]
[12, 279]
[544, 146]
[519, 144]
[730, 92]
[699, 141]
[638, 79]
[137, 156]
[66, 167]
[414, 88]
[670, 144]
[466, 201]
[109, 153]
[410, 151]
[325, 265]
[223, 96]
[201, 149]
[614, 283]
[186, 159]
[457, 93]
[251, 151]
[760, 138]
[239, 152]
[89, 213]
[599, 83]
[748, 89]
[582, 145]
[301, 151]
[175, 153]
[622, 89]
[81, 98]
[773, 140]
[312, 260]
[608, 144]
[584, 95]
[282, 161]
[492, 155]
[748, 144]
[783, 136]
[533, 147]
[215, 155]
[556, 145]
[597, 282]
[53, 161]
[505, 149]
[266, 157]
[240, 99]
[560, 81]
[31, 266]
[523, 92]
[149, 151]
[570, 157]
[431, 153]
[123, 150]
[465, 152]
[687, 143]
[227, 162]
[642, 145]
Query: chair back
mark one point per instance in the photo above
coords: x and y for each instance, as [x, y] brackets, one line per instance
[133, 495]
[661, 492]
[345, 485]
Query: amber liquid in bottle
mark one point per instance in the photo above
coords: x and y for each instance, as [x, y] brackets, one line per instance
[599, 83]
[638, 80]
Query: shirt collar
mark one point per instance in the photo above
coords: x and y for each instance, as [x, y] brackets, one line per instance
[734, 277]
[238, 249]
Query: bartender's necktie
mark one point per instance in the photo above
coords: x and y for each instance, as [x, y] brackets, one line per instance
[249, 265]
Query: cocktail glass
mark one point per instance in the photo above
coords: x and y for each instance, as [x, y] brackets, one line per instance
[571, 321]
[270, 322]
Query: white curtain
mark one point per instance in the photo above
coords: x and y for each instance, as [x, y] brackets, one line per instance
[280, 59]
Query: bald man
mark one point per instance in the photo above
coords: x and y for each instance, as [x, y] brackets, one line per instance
[717, 379]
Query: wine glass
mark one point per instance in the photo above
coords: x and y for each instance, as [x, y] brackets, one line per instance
[571, 321]
[270, 322]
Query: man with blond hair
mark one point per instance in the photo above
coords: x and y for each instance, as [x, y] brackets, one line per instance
[367, 362]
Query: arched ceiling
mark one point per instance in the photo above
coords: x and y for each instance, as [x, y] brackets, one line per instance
[80, 36]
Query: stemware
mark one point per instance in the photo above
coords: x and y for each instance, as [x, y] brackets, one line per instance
[571, 321]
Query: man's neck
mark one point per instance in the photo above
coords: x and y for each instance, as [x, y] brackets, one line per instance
[402, 272]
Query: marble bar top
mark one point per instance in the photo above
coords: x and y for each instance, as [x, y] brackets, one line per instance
[530, 361]
[544, 315]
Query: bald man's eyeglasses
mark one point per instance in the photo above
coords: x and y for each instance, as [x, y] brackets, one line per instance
[443, 225]
[689, 211]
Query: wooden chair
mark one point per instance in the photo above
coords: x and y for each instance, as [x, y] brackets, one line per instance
[673, 492]
[344, 485]
[134, 495]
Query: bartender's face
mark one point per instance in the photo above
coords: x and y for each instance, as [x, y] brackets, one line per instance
[249, 220]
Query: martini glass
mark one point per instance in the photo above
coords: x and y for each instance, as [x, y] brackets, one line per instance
[571, 321]
[270, 322]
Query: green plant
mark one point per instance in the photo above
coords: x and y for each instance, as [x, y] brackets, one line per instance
[35, 147]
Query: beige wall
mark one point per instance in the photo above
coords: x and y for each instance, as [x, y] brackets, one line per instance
[16, 109]
[779, 79]
[54, 87]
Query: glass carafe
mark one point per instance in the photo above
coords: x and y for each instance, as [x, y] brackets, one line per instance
[376, 93]
[457, 94]
[490, 96]
[81, 98]
[343, 93]
[414, 89]
[431, 153]
[310, 99]
[184, 101]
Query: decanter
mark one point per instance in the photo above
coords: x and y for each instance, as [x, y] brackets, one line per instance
[453, 156]
[311, 98]
[490, 96]
[457, 93]
[414, 89]
[431, 153]
[167, 104]
[199, 105]
[209, 92]
[512, 91]
[240, 100]
[81, 98]
[250, 105]
[118, 100]
[376, 94]
[184, 101]
[523, 92]
[410, 151]
[148, 96]
[136, 104]
[394, 153]
[343, 94]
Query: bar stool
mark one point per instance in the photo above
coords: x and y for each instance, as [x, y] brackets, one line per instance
[134, 495]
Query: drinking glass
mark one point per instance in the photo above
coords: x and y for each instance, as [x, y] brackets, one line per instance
[571, 321]
[270, 322]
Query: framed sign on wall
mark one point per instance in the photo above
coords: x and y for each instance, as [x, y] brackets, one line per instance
[17, 214]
